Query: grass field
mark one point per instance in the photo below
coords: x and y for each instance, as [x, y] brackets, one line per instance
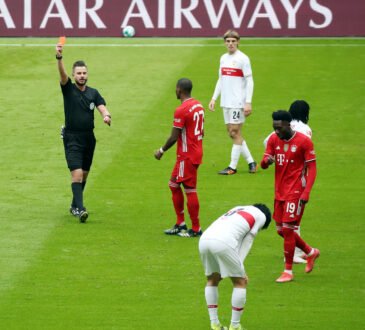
[119, 271]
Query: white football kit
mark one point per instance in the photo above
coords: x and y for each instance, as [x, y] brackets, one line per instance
[234, 85]
[225, 244]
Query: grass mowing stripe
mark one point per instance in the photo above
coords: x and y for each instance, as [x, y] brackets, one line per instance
[73, 265]
[122, 272]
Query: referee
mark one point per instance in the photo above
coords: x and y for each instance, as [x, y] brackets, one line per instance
[78, 133]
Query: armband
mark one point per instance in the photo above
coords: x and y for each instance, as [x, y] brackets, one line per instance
[58, 57]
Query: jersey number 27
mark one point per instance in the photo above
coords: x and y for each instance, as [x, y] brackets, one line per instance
[199, 122]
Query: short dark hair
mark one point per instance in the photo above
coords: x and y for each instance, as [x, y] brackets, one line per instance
[79, 63]
[299, 110]
[265, 210]
[185, 85]
[282, 115]
[231, 34]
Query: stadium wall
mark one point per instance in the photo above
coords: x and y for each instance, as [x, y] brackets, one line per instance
[182, 18]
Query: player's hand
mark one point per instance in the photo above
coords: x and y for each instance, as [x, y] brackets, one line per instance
[247, 110]
[211, 105]
[59, 49]
[270, 160]
[107, 120]
[158, 154]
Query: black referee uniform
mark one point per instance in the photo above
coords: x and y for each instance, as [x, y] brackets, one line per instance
[78, 134]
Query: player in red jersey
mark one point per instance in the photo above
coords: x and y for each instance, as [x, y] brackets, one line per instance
[188, 132]
[295, 172]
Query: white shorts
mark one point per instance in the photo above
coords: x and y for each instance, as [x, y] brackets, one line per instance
[217, 257]
[233, 116]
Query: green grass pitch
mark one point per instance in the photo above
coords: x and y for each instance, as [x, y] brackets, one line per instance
[119, 271]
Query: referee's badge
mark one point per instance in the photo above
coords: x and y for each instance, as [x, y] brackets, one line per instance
[286, 147]
[92, 106]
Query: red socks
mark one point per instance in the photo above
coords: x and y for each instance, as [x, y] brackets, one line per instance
[178, 201]
[289, 247]
[193, 208]
[292, 240]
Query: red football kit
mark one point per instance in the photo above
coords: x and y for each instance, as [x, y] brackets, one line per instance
[292, 157]
[189, 117]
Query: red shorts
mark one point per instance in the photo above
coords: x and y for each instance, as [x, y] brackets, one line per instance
[288, 211]
[185, 172]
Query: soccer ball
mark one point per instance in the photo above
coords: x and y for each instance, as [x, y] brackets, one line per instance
[129, 31]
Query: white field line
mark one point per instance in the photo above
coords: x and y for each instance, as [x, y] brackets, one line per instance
[185, 45]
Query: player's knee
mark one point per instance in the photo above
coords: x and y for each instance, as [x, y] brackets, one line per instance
[214, 279]
[174, 186]
[234, 133]
[190, 190]
[288, 230]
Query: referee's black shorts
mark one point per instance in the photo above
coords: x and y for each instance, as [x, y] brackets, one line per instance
[79, 149]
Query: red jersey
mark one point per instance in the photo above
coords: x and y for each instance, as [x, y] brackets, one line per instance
[290, 162]
[189, 116]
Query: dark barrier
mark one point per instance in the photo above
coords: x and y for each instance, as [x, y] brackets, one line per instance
[182, 18]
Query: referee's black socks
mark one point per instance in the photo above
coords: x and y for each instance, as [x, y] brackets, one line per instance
[77, 194]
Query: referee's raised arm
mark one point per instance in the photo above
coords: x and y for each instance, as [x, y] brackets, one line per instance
[60, 65]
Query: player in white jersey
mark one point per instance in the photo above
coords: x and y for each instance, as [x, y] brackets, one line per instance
[223, 248]
[235, 88]
[299, 111]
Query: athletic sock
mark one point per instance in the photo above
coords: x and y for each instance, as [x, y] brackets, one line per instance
[301, 244]
[235, 156]
[178, 202]
[238, 304]
[298, 252]
[246, 154]
[289, 247]
[77, 194]
[211, 297]
[73, 203]
[193, 208]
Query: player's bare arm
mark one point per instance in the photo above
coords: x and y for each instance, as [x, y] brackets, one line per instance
[175, 133]
[61, 66]
[105, 114]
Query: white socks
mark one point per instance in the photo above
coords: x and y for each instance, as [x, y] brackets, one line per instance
[237, 150]
[211, 297]
[238, 304]
[235, 156]
[246, 153]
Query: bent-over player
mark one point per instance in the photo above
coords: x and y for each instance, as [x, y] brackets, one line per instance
[223, 249]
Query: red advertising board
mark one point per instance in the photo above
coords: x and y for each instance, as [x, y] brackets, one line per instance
[182, 18]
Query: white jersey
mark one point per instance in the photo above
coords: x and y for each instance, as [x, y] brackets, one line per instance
[234, 72]
[232, 227]
[298, 126]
